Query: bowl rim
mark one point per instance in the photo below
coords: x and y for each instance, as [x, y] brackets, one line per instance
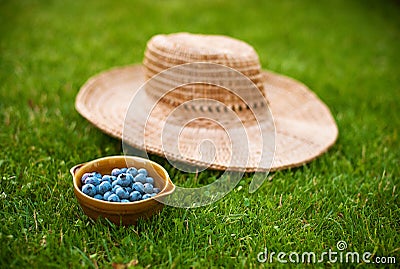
[168, 188]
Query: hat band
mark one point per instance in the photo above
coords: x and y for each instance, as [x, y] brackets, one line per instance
[206, 81]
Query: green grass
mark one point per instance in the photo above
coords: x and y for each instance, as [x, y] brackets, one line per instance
[346, 51]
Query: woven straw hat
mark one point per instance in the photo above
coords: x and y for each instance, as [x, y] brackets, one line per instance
[204, 100]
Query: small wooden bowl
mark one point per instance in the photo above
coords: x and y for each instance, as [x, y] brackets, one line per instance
[122, 213]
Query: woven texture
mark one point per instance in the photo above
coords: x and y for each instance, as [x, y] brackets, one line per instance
[166, 51]
[301, 125]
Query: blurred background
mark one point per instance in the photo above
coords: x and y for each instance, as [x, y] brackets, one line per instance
[347, 52]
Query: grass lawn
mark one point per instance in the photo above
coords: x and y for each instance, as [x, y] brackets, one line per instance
[346, 51]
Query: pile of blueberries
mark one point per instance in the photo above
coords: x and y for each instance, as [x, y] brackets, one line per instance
[123, 185]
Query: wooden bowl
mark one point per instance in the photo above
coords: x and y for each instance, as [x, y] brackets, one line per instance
[122, 213]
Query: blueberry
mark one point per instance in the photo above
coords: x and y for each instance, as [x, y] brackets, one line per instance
[135, 196]
[132, 170]
[97, 174]
[92, 180]
[106, 178]
[142, 171]
[115, 172]
[125, 179]
[156, 190]
[113, 198]
[123, 170]
[128, 189]
[140, 178]
[149, 180]
[98, 197]
[116, 182]
[106, 195]
[89, 189]
[104, 187]
[125, 201]
[137, 186]
[85, 176]
[114, 189]
[146, 196]
[153, 194]
[148, 188]
[121, 193]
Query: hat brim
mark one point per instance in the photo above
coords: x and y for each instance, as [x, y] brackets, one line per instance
[303, 125]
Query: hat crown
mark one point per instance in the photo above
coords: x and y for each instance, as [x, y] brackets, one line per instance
[217, 48]
[194, 81]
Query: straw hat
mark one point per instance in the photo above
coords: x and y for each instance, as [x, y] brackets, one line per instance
[204, 100]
